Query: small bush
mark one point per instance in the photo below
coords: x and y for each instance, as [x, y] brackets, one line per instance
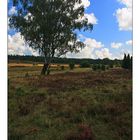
[107, 67]
[99, 66]
[27, 74]
[71, 66]
[103, 67]
[85, 64]
[111, 65]
[94, 67]
[19, 92]
[62, 67]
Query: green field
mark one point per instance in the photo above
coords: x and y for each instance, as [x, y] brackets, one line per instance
[78, 104]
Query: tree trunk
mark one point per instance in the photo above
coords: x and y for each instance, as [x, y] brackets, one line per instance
[45, 68]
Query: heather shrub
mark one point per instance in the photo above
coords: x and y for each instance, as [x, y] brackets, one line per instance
[71, 66]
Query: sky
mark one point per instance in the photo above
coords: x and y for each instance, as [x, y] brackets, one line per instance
[111, 36]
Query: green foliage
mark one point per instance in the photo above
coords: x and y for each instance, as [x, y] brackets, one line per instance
[103, 67]
[27, 75]
[124, 61]
[94, 67]
[19, 92]
[127, 62]
[85, 64]
[111, 65]
[48, 26]
[62, 67]
[99, 66]
[131, 63]
[56, 60]
[71, 65]
[107, 67]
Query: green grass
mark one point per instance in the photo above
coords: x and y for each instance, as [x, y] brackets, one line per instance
[70, 105]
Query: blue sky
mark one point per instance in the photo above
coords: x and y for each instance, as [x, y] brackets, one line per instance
[107, 28]
[111, 35]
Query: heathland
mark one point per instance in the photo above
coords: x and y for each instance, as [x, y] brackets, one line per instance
[69, 104]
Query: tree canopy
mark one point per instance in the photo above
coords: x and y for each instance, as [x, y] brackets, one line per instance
[50, 26]
[127, 62]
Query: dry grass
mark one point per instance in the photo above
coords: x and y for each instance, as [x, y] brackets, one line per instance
[39, 65]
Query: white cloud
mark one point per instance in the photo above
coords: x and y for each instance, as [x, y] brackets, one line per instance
[124, 15]
[12, 11]
[116, 45]
[86, 3]
[129, 42]
[126, 51]
[92, 43]
[16, 46]
[124, 18]
[91, 18]
[119, 55]
[88, 50]
[127, 3]
[103, 53]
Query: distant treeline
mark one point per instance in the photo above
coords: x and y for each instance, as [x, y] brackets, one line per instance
[39, 59]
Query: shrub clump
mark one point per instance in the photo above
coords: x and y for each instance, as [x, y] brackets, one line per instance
[27, 75]
[107, 67]
[85, 64]
[103, 67]
[111, 66]
[99, 67]
[71, 66]
[94, 67]
[62, 67]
